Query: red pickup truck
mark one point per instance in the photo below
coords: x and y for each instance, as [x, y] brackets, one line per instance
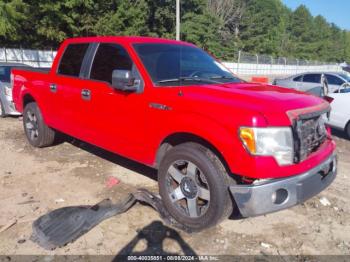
[219, 143]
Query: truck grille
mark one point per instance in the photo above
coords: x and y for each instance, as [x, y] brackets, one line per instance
[310, 133]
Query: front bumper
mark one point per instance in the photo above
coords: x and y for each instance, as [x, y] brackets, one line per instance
[277, 194]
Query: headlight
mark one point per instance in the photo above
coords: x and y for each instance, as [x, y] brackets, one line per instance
[8, 91]
[275, 141]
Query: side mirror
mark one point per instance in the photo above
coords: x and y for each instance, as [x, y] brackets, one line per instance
[123, 80]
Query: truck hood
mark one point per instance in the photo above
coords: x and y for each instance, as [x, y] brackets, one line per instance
[272, 102]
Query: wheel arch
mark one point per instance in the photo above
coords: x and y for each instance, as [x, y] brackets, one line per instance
[27, 98]
[185, 137]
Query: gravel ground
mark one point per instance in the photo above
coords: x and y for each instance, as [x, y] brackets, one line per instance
[35, 181]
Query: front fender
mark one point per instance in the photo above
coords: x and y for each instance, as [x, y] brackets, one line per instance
[223, 139]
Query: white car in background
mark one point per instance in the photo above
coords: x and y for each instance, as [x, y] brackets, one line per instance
[334, 85]
[313, 82]
[340, 114]
[6, 104]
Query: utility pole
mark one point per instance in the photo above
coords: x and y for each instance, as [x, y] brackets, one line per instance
[178, 20]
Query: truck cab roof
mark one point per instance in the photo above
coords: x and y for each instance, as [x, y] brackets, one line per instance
[125, 39]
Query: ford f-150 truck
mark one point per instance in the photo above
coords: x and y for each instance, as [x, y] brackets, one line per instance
[218, 143]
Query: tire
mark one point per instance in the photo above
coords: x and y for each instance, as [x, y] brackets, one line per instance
[37, 132]
[181, 187]
[2, 110]
[347, 130]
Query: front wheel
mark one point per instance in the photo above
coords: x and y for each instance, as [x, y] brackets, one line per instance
[37, 132]
[193, 184]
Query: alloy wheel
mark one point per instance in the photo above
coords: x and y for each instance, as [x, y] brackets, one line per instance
[32, 126]
[188, 188]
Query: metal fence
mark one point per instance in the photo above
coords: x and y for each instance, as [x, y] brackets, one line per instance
[243, 57]
[244, 64]
[249, 64]
[36, 58]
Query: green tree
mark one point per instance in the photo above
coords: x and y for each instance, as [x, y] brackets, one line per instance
[336, 49]
[262, 26]
[321, 35]
[201, 29]
[129, 18]
[161, 19]
[301, 33]
[347, 47]
[219, 26]
[11, 17]
[57, 20]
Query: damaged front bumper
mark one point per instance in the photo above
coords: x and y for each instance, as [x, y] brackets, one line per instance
[278, 194]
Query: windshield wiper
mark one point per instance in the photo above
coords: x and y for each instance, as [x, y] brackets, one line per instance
[228, 78]
[222, 77]
[183, 79]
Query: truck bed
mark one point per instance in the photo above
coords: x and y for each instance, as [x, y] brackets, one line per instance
[44, 70]
[25, 78]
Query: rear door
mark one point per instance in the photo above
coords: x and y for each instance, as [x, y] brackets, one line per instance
[297, 82]
[116, 119]
[334, 82]
[340, 113]
[66, 87]
[312, 84]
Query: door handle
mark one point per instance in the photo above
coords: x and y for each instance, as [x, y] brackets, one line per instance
[53, 88]
[86, 94]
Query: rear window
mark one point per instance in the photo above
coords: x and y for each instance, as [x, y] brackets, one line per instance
[298, 78]
[346, 77]
[5, 72]
[72, 59]
[334, 80]
[312, 78]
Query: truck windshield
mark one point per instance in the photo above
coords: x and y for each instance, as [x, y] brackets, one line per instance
[172, 64]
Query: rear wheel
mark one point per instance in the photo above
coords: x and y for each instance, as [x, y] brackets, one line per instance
[37, 132]
[193, 184]
[2, 110]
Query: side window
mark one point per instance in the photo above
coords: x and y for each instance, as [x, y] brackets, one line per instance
[109, 57]
[334, 80]
[312, 78]
[5, 72]
[72, 59]
[298, 78]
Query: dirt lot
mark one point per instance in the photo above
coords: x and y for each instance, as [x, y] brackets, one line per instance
[34, 181]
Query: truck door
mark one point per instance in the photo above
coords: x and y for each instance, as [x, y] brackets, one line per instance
[116, 118]
[66, 86]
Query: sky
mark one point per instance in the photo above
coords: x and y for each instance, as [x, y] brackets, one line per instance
[335, 11]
